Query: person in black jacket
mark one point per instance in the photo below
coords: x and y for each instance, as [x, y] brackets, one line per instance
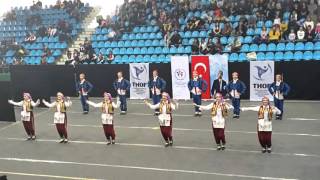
[219, 86]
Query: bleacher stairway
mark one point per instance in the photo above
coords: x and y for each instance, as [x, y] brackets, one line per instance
[86, 33]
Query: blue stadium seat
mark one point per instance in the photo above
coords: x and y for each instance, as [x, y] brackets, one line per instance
[165, 50]
[269, 56]
[262, 47]
[268, 24]
[307, 55]
[271, 47]
[299, 46]
[129, 51]
[150, 50]
[288, 56]
[136, 51]
[316, 55]
[278, 56]
[223, 40]
[173, 50]
[233, 57]
[143, 50]
[242, 57]
[247, 39]
[308, 46]
[298, 55]
[253, 48]
[317, 46]
[280, 47]
[260, 56]
[195, 34]
[289, 46]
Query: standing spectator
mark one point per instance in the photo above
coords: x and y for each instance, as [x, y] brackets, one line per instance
[301, 34]
[175, 39]
[195, 46]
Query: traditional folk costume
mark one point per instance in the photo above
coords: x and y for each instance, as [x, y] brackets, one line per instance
[84, 87]
[122, 86]
[60, 116]
[157, 85]
[219, 113]
[165, 117]
[279, 90]
[236, 88]
[197, 86]
[27, 116]
[264, 126]
[107, 108]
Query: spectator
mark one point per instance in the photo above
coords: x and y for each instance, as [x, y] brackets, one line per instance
[216, 31]
[236, 45]
[227, 30]
[175, 39]
[218, 48]
[264, 35]
[110, 57]
[284, 30]
[203, 46]
[112, 35]
[52, 31]
[195, 46]
[44, 60]
[30, 38]
[309, 35]
[301, 34]
[277, 21]
[317, 31]
[308, 22]
[274, 34]
[241, 30]
[42, 31]
[292, 36]
[46, 52]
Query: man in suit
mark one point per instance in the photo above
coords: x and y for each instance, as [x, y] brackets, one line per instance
[157, 85]
[219, 86]
[122, 86]
[84, 87]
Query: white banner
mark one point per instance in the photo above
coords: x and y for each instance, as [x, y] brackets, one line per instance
[139, 78]
[261, 76]
[218, 62]
[180, 77]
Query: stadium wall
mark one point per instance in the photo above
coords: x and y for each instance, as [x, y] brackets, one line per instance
[44, 81]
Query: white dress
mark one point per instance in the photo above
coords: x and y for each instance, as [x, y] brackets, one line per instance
[25, 116]
[106, 117]
[164, 118]
[59, 117]
[218, 121]
[263, 124]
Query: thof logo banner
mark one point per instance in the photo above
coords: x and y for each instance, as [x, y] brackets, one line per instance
[261, 76]
[139, 78]
[180, 77]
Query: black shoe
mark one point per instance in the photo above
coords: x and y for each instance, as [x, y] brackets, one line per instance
[156, 113]
[61, 140]
[218, 147]
[166, 144]
[113, 142]
[269, 150]
[223, 147]
[85, 112]
[171, 143]
[234, 116]
[33, 137]
[65, 141]
[263, 150]
[28, 138]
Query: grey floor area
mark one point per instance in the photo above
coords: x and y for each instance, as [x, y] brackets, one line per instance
[139, 152]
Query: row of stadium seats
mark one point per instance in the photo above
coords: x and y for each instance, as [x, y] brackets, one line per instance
[32, 60]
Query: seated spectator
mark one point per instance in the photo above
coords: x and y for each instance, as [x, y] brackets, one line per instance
[264, 35]
[284, 30]
[76, 56]
[42, 31]
[175, 39]
[292, 36]
[274, 34]
[241, 30]
[203, 46]
[195, 46]
[69, 59]
[308, 22]
[110, 57]
[30, 38]
[218, 48]
[301, 34]
[52, 31]
[216, 31]
[309, 33]
[46, 52]
[112, 34]
[317, 31]
[236, 45]
[44, 60]
[227, 30]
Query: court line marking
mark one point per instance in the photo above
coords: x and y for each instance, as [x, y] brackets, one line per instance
[174, 147]
[187, 129]
[44, 175]
[303, 119]
[143, 168]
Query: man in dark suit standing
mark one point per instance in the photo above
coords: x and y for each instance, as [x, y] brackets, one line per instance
[219, 86]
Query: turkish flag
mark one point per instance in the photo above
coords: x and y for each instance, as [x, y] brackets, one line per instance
[201, 65]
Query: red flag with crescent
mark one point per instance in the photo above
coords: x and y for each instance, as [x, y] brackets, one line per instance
[201, 65]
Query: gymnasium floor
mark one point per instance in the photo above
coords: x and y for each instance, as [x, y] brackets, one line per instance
[139, 152]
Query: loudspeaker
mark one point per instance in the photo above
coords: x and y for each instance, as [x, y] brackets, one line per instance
[6, 109]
